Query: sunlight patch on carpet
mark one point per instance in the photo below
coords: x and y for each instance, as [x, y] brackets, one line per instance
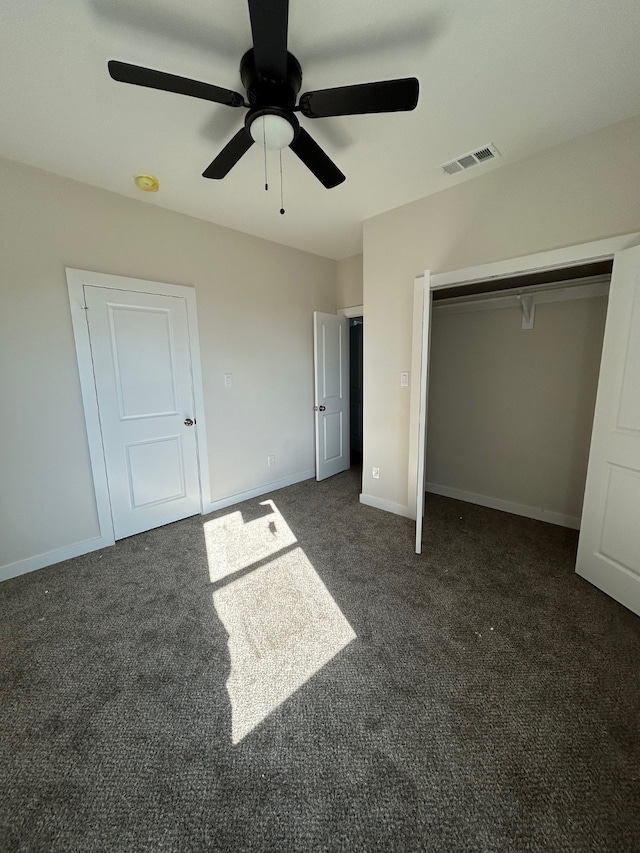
[234, 543]
[282, 622]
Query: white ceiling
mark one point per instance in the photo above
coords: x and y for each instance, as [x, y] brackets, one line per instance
[523, 75]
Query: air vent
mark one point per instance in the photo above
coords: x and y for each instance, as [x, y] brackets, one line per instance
[452, 168]
[466, 161]
[484, 154]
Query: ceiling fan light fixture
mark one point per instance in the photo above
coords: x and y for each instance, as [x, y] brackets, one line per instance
[272, 78]
[272, 131]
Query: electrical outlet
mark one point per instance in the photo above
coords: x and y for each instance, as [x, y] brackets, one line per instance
[271, 461]
[228, 380]
[376, 473]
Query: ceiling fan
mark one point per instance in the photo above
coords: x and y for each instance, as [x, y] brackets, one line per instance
[272, 78]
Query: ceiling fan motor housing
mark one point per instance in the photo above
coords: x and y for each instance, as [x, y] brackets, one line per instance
[267, 96]
[265, 92]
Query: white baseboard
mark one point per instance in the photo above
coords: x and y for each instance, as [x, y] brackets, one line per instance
[572, 521]
[40, 561]
[387, 506]
[257, 492]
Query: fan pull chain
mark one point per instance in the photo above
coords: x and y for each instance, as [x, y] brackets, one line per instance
[281, 190]
[264, 148]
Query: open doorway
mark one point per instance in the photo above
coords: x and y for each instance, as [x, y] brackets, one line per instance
[338, 392]
[356, 329]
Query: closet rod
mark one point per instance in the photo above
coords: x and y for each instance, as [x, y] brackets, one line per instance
[561, 292]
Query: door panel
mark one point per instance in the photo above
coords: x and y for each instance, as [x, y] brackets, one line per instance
[331, 354]
[141, 346]
[620, 540]
[629, 411]
[332, 428]
[142, 369]
[155, 471]
[609, 545]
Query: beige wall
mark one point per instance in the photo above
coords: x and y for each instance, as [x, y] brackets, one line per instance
[349, 282]
[511, 410]
[580, 191]
[255, 303]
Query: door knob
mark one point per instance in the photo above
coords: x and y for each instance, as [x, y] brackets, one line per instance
[322, 408]
[189, 422]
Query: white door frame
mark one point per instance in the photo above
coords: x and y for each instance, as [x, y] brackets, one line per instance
[555, 259]
[76, 281]
[422, 302]
[354, 311]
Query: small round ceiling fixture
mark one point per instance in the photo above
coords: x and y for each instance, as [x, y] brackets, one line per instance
[147, 183]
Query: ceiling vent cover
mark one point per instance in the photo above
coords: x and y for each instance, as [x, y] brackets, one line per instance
[466, 161]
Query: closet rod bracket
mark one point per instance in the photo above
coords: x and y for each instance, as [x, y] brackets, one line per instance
[528, 310]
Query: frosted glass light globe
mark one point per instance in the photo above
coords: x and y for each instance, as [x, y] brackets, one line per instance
[272, 131]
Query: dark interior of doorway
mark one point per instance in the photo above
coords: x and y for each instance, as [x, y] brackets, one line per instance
[355, 389]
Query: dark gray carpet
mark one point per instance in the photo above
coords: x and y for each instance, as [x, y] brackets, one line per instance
[489, 702]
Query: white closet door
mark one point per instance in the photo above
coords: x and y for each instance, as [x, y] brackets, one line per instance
[142, 370]
[609, 546]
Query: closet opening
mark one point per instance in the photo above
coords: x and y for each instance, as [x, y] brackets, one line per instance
[513, 376]
[581, 412]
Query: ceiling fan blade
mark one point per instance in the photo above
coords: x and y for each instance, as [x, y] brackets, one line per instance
[229, 156]
[316, 160]
[269, 24]
[386, 96]
[139, 76]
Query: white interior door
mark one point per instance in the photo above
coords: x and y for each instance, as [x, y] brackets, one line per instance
[142, 370]
[331, 361]
[609, 545]
[422, 309]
